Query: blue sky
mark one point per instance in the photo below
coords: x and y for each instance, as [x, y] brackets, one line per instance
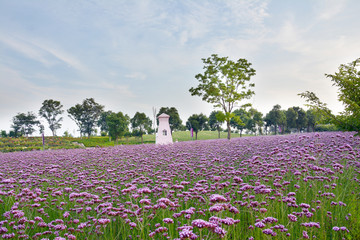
[135, 55]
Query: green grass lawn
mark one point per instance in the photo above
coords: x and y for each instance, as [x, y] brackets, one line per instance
[177, 136]
[35, 143]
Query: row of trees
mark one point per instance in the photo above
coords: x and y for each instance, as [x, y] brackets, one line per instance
[294, 119]
[89, 115]
[224, 83]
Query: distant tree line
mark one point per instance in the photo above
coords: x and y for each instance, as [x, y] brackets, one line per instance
[224, 83]
[90, 115]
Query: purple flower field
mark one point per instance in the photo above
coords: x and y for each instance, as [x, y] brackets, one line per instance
[304, 186]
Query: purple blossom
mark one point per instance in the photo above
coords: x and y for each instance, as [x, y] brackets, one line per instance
[168, 220]
[217, 198]
[292, 217]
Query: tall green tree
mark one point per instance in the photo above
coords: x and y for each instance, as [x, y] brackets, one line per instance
[174, 120]
[50, 110]
[214, 122]
[141, 123]
[301, 120]
[101, 123]
[23, 124]
[3, 134]
[224, 83]
[197, 122]
[291, 116]
[86, 115]
[118, 125]
[347, 80]
[256, 121]
[276, 118]
[314, 118]
[240, 123]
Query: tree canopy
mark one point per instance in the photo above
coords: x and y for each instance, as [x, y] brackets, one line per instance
[174, 120]
[276, 118]
[141, 123]
[50, 110]
[86, 115]
[224, 83]
[23, 124]
[214, 122]
[255, 121]
[101, 123]
[347, 79]
[197, 122]
[118, 125]
[243, 115]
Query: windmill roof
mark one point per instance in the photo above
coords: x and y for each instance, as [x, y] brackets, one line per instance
[163, 115]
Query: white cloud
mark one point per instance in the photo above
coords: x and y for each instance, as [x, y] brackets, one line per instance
[328, 9]
[247, 11]
[42, 51]
[136, 76]
[26, 49]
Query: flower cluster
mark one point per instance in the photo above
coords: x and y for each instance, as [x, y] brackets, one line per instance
[188, 190]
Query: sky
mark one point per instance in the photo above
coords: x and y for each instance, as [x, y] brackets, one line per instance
[136, 55]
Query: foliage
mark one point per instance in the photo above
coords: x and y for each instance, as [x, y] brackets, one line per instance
[347, 79]
[10, 144]
[174, 120]
[255, 121]
[301, 120]
[3, 133]
[23, 124]
[118, 125]
[141, 123]
[312, 119]
[291, 116]
[197, 122]
[224, 83]
[214, 122]
[326, 128]
[102, 122]
[50, 110]
[67, 134]
[276, 118]
[242, 117]
[296, 118]
[86, 115]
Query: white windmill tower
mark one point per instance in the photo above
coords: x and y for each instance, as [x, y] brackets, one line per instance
[163, 135]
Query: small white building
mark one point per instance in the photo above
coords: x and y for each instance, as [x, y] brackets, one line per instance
[163, 135]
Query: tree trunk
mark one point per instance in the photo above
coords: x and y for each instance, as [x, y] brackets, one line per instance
[142, 141]
[196, 135]
[229, 129]
[218, 133]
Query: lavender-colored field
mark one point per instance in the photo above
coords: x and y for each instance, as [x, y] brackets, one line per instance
[303, 186]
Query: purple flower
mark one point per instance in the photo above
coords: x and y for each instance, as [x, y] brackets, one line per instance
[168, 220]
[292, 218]
[269, 231]
[259, 224]
[217, 198]
[199, 223]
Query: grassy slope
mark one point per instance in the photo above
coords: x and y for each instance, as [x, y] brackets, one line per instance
[35, 143]
[177, 136]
